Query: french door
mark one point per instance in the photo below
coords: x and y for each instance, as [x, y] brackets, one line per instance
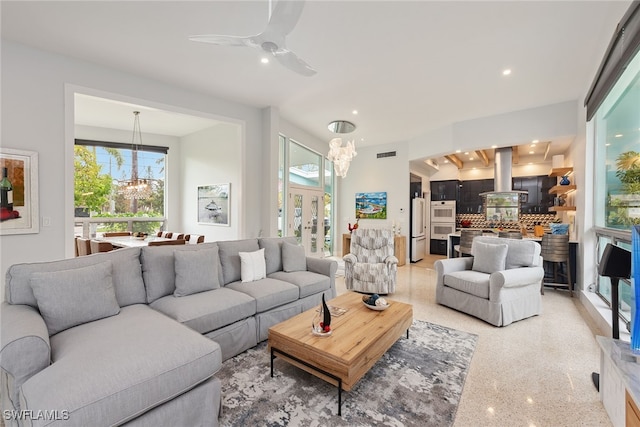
[305, 220]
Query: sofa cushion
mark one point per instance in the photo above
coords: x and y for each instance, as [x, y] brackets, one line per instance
[126, 273]
[273, 251]
[488, 258]
[252, 266]
[207, 311]
[70, 298]
[309, 283]
[521, 253]
[268, 293]
[230, 260]
[158, 268]
[116, 368]
[469, 282]
[196, 271]
[293, 258]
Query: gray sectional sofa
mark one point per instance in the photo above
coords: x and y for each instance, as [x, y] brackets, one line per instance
[136, 336]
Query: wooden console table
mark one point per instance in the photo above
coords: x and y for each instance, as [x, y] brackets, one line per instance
[399, 247]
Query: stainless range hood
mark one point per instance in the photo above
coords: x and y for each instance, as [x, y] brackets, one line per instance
[502, 176]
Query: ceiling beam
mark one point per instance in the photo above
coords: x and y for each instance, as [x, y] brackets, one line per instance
[546, 151]
[455, 160]
[515, 156]
[482, 154]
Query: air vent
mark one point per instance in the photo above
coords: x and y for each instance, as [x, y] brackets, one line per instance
[387, 154]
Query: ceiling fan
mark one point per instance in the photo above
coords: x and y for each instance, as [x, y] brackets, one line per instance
[272, 40]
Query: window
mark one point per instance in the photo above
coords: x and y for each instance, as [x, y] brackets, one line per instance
[617, 177]
[117, 183]
[304, 165]
[311, 170]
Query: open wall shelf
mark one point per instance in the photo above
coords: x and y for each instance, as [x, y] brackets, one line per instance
[561, 171]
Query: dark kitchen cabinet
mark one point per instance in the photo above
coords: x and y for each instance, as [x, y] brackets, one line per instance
[469, 199]
[537, 198]
[444, 190]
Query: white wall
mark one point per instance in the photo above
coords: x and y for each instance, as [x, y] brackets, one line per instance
[367, 174]
[211, 156]
[37, 115]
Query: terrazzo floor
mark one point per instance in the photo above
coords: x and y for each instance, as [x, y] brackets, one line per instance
[533, 373]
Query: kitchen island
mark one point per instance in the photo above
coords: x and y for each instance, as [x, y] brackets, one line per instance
[453, 239]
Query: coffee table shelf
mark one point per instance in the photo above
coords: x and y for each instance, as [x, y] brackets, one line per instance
[360, 337]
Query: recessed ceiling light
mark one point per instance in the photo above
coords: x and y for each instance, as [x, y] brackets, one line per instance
[506, 72]
[470, 158]
[458, 151]
[531, 152]
[619, 135]
[446, 161]
[535, 141]
[355, 111]
[466, 153]
[264, 60]
[494, 146]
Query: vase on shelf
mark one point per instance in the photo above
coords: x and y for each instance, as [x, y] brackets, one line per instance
[565, 180]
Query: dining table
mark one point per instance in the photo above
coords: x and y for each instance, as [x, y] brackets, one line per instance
[131, 241]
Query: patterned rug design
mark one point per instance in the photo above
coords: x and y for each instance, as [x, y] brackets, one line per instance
[417, 382]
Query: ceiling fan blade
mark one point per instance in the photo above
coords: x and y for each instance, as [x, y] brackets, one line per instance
[221, 40]
[292, 62]
[284, 17]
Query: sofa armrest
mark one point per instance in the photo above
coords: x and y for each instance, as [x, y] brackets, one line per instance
[449, 265]
[350, 258]
[322, 266]
[24, 344]
[391, 260]
[516, 277]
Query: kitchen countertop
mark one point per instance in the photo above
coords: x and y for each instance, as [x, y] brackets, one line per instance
[491, 233]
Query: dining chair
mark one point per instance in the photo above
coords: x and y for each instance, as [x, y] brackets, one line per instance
[167, 242]
[116, 233]
[165, 234]
[83, 246]
[194, 239]
[176, 236]
[99, 246]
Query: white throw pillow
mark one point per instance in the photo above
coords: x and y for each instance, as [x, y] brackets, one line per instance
[252, 266]
[489, 258]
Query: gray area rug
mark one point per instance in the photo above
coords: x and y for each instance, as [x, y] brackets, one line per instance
[417, 382]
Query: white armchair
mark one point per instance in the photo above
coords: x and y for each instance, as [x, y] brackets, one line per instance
[371, 266]
[499, 284]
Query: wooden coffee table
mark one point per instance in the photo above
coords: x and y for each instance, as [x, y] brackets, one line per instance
[358, 340]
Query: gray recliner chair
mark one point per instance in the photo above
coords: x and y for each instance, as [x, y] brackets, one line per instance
[371, 266]
[499, 283]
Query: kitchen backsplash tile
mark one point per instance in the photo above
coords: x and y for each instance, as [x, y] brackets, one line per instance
[527, 220]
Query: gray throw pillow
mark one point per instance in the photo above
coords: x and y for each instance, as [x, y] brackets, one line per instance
[293, 258]
[489, 258]
[69, 298]
[196, 271]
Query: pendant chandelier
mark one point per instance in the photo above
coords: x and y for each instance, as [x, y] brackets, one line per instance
[339, 155]
[135, 188]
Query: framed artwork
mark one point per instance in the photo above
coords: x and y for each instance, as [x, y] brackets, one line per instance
[213, 204]
[371, 205]
[18, 192]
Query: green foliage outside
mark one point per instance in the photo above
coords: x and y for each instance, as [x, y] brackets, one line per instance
[628, 172]
[96, 193]
[92, 189]
[145, 227]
